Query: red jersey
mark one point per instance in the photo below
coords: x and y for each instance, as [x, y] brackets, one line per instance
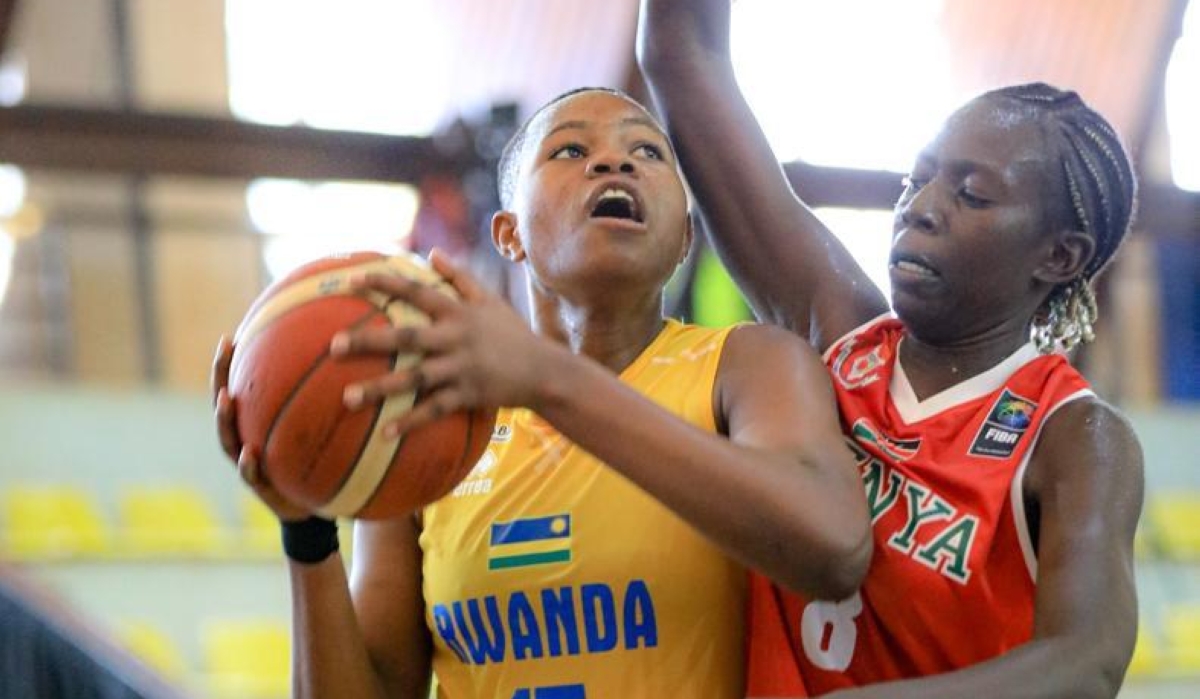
[952, 579]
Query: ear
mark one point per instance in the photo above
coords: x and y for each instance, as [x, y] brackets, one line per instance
[505, 237]
[689, 234]
[1066, 257]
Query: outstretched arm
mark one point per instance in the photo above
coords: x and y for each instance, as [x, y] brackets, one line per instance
[794, 272]
[1087, 480]
[781, 493]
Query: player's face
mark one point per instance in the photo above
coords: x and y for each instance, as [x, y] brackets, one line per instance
[600, 196]
[969, 229]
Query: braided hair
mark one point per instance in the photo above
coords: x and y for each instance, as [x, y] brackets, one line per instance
[1099, 181]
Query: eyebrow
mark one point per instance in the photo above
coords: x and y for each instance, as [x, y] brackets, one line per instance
[964, 168]
[627, 121]
[958, 166]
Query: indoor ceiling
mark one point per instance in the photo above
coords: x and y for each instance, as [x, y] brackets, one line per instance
[524, 51]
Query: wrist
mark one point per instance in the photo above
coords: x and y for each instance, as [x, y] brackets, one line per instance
[554, 373]
[310, 540]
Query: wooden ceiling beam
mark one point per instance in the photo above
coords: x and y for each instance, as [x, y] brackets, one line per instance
[68, 138]
[843, 187]
[153, 144]
[8, 11]
[1164, 210]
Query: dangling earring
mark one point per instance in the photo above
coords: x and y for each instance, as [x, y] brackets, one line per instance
[1070, 318]
[1040, 332]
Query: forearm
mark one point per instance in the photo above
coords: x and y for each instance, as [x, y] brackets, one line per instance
[793, 516]
[684, 55]
[329, 656]
[674, 32]
[1049, 668]
[793, 271]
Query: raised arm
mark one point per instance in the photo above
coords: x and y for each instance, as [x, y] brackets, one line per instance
[793, 271]
[1086, 479]
[371, 643]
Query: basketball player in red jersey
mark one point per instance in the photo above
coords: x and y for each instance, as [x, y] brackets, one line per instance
[1004, 494]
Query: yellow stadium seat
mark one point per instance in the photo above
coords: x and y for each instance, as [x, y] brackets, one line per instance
[1144, 541]
[248, 659]
[153, 647]
[1147, 658]
[1181, 626]
[260, 531]
[169, 521]
[44, 521]
[1175, 519]
[260, 528]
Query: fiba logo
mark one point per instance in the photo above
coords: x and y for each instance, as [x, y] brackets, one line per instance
[1014, 413]
[1006, 422]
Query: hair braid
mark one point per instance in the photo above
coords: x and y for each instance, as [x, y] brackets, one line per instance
[1100, 183]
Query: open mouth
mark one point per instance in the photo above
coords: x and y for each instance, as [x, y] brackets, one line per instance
[914, 266]
[617, 203]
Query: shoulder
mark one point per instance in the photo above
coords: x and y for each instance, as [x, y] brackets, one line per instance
[773, 388]
[1089, 441]
[761, 360]
[755, 344]
[1094, 427]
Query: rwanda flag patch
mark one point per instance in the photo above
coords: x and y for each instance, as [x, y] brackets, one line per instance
[529, 542]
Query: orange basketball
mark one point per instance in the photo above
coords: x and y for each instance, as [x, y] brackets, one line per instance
[288, 391]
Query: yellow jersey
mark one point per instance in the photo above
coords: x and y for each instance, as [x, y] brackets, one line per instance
[548, 575]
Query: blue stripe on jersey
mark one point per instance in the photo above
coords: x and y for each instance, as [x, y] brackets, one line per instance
[533, 529]
[562, 691]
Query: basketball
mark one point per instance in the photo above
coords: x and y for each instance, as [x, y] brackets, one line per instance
[288, 390]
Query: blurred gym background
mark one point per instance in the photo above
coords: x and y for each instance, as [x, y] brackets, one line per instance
[163, 160]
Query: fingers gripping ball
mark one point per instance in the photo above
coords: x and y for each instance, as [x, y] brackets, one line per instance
[288, 389]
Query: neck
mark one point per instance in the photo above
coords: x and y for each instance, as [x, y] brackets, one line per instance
[932, 368]
[613, 332]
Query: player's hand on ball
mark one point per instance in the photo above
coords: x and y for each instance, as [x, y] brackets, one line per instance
[476, 350]
[253, 476]
[223, 405]
[231, 443]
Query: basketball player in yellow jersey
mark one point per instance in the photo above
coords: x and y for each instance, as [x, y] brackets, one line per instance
[597, 549]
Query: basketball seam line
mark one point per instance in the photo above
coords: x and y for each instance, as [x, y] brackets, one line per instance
[317, 363]
[291, 296]
[362, 447]
[359, 485]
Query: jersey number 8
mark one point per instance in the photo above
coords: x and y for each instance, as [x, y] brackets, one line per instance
[828, 632]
